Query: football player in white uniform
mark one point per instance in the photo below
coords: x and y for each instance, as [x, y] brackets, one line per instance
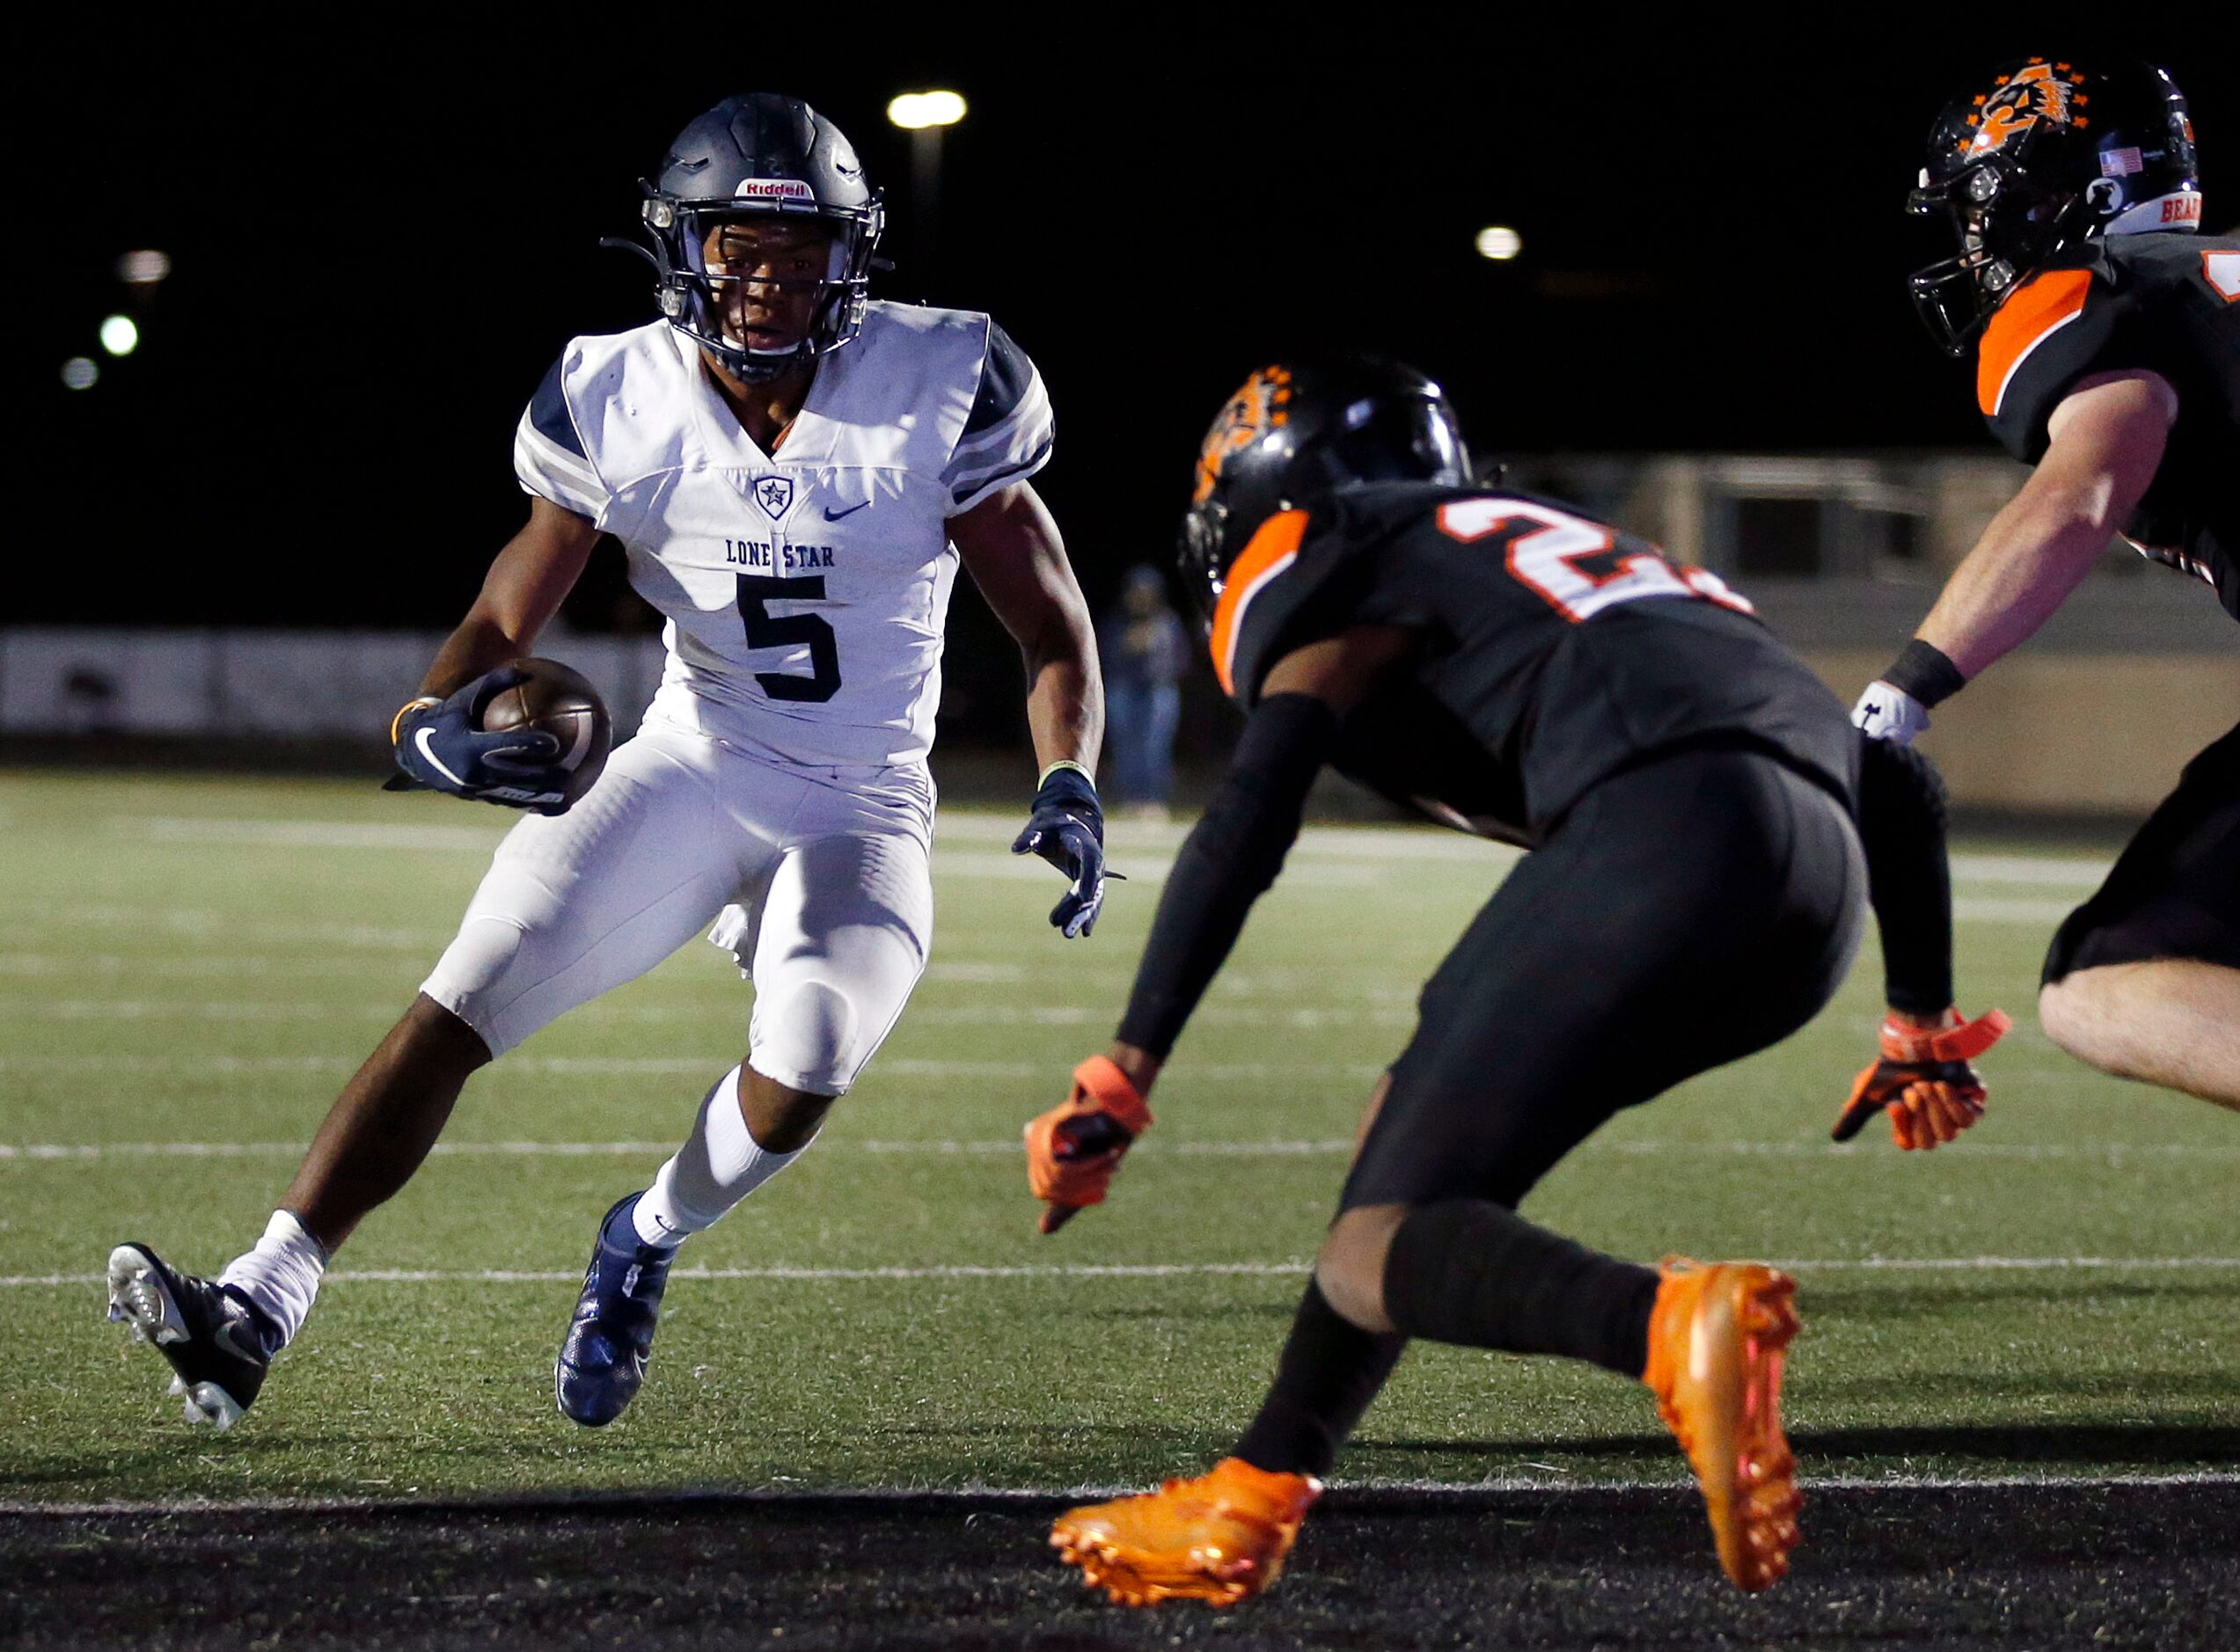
[794, 474]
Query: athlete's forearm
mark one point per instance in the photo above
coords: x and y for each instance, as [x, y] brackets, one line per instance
[479, 645]
[2035, 552]
[1064, 693]
[524, 589]
[2107, 439]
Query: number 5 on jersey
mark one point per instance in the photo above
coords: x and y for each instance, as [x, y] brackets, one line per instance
[791, 630]
[1559, 559]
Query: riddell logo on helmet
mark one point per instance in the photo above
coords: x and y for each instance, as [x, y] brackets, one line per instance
[773, 189]
[1262, 406]
[2039, 92]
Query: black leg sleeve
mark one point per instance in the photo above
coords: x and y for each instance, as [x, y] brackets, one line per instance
[1901, 826]
[1472, 1272]
[1329, 1372]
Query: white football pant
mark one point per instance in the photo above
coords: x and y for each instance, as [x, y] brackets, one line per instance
[823, 871]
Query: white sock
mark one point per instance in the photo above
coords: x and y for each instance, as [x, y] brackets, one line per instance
[282, 1275]
[719, 1164]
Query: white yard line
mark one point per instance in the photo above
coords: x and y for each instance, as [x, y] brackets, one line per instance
[2094, 1152]
[1556, 1489]
[1163, 1270]
[649, 1066]
[1150, 847]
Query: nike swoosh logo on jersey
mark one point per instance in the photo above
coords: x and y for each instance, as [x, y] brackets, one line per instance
[834, 515]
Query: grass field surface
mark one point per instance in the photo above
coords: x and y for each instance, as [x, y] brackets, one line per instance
[190, 968]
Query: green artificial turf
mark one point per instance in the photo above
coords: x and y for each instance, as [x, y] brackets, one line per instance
[204, 961]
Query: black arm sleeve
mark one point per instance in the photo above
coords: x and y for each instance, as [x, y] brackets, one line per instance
[1901, 823]
[1230, 857]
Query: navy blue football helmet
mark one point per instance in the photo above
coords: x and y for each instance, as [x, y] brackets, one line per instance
[759, 154]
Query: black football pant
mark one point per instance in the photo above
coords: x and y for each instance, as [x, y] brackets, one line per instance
[1685, 913]
[2174, 890]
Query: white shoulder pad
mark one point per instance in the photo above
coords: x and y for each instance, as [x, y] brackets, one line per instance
[611, 411]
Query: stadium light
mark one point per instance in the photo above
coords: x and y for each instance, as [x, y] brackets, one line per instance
[914, 111]
[120, 336]
[144, 268]
[80, 373]
[1499, 243]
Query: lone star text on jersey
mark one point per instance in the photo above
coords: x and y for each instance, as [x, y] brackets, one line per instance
[766, 558]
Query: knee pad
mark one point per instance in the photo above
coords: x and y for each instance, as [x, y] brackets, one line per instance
[805, 1037]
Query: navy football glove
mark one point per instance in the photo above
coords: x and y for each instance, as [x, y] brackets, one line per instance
[441, 745]
[1067, 829]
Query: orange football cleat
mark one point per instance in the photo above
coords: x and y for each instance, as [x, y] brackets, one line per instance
[1220, 1537]
[1715, 1338]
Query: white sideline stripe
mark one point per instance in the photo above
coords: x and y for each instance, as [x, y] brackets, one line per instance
[1972, 910]
[649, 1065]
[1559, 1490]
[1334, 1146]
[937, 1015]
[2046, 869]
[1164, 1270]
[1405, 842]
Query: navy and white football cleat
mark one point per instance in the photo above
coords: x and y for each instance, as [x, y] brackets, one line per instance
[210, 1336]
[610, 1338]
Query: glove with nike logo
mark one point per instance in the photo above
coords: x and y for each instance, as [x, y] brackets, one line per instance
[1884, 712]
[1067, 829]
[441, 745]
[1073, 1150]
[1924, 1080]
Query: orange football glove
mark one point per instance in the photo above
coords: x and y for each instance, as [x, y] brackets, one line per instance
[1924, 1080]
[1072, 1150]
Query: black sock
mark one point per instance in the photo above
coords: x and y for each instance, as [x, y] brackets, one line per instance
[1330, 1371]
[1469, 1271]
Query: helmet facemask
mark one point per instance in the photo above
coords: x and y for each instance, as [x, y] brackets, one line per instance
[2005, 228]
[2050, 154]
[697, 299]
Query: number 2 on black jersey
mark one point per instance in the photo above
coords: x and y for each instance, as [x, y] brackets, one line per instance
[793, 630]
[1552, 559]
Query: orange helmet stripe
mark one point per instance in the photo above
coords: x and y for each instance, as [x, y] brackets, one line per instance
[1270, 552]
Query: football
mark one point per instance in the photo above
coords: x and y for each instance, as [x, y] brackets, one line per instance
[560, 701]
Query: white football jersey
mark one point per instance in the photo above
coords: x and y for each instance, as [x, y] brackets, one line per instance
[805, 590]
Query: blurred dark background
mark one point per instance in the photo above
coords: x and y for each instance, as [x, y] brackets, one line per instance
[381, 236]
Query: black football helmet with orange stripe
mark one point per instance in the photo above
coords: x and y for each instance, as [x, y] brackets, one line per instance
[2047, 155]
[1294, 434]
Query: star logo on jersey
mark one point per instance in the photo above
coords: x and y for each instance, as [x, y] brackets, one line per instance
[775, 495]
[2038, 91]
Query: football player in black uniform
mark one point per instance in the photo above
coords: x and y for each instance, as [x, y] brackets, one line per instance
[1689, 790]
[2106, 333]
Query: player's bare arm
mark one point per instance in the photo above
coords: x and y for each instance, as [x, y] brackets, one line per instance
[526, 584]
[2108, 437]
[1011, 547]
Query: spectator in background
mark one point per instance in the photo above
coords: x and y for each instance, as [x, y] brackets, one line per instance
[1144, 650]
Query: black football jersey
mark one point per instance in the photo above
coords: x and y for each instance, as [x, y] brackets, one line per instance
[1561, 651]
[2168, 302]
